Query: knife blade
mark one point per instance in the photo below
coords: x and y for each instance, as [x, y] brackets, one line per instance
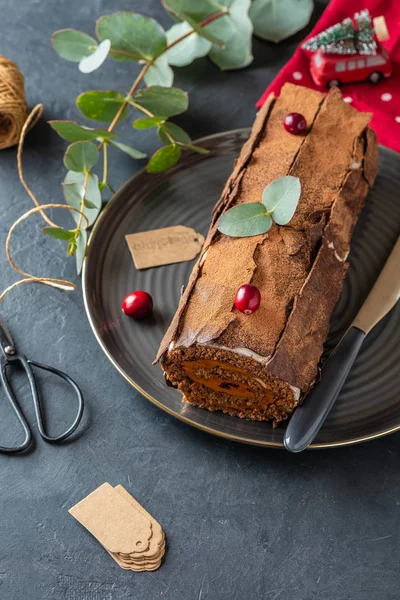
[309, 417]
[384, 294]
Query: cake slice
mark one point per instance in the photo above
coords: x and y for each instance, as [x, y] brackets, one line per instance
[260, 366]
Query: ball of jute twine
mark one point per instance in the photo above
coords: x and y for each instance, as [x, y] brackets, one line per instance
[13, 106]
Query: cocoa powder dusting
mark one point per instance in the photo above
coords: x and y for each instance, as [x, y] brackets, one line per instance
[299, 269]
[230, 261]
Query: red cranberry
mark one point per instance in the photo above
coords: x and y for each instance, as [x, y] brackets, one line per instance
[295, 123]
[137, 304]
[247, 299]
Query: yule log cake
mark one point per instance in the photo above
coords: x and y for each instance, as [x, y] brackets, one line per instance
[260, 366]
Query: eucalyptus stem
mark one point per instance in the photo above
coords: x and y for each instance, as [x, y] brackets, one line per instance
[82, 204]
[207, 21]
[105, 164]
[150, 114]
[141, 108]
[167, 133]
[123, 53]
[133, 89]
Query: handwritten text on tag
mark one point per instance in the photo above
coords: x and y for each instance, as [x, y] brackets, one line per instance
[164, 246]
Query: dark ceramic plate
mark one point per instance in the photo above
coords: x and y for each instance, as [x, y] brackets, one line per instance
[369, 405]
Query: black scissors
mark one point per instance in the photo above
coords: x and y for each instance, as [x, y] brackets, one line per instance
[10, 356]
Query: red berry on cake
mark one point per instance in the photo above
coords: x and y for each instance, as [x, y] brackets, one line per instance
[247, 299]
[137, 304]
[295, 123]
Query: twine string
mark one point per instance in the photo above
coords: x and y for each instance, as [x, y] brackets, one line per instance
[15, 122]
[62, 284]
[31, 120]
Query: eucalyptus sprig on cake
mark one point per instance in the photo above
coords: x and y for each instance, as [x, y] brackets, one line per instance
[279, 202]
[220, 30]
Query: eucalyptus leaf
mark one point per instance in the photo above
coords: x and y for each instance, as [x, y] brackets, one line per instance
[81, 244]
[162, 101]
[164, 158]
[73, 45]
[73, 132]
[81, 156]
[235, 30]
[92, 188]
[148, 122]
[194, 13]
[88, 204]
[188, 10]
[276, 20]
[90, 63]
[176, 132]
[73, 193]
[281, 198]
[185, 52]
[160, 73]
[128, 150]
[58, 233]
[131, 33]
[245, 220]
[101, 105]
[197, 149]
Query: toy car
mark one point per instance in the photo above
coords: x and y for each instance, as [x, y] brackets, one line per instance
[333, 70]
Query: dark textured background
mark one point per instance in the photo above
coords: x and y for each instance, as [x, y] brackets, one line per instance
[241, 522]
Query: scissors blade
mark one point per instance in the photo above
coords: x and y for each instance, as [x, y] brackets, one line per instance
[5, 335]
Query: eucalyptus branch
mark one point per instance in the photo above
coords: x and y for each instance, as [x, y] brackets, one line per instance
[147, 66]
[159, 103]
[134, 37]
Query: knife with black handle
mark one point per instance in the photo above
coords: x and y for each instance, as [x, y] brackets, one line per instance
[310, 416]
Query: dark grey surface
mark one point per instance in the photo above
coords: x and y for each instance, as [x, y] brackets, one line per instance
[241, 523]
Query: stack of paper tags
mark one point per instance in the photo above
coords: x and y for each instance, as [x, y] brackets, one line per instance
[123, 527]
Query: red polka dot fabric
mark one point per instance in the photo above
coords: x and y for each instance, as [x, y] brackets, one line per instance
[382, 98]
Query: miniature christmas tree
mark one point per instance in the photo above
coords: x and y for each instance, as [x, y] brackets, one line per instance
[351, 36]
[364, 33]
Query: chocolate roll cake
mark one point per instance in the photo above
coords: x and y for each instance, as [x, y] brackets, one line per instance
[260, 366]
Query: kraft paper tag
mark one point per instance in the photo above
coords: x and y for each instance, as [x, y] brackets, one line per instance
[157, 539]
[130, 535]
[164, 246]
[116, 523]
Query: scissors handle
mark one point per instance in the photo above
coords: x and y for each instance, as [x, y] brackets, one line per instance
[19, 414]
[38, 407]
[27, 366]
